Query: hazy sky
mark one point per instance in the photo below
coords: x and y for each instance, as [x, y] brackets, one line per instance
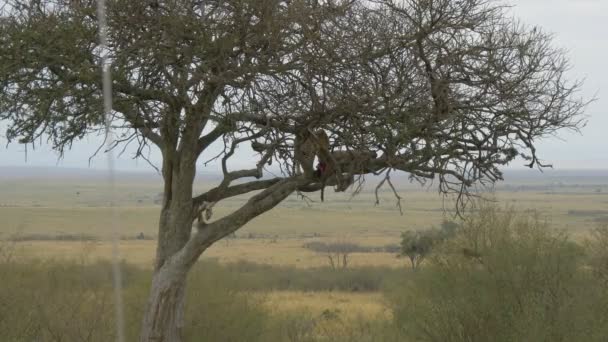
[580, 26]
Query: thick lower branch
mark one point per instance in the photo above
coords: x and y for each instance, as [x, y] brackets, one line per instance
[215, 194]
[215, 231]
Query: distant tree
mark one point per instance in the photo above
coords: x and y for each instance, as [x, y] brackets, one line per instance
[444, 90]
[337, 253]
[417, 245]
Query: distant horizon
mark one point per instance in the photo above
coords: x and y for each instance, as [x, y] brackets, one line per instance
[210, 171]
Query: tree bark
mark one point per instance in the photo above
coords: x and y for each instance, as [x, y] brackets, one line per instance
[164, 315]
[175, 225]
[163, 318]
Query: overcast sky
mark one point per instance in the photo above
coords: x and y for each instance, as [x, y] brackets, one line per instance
[580, 26]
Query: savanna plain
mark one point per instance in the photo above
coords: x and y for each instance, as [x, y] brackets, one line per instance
[530, 264]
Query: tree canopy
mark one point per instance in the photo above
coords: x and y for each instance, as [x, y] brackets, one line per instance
[188, 73]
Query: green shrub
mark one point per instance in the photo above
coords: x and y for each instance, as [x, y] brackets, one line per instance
[597, 248]
[418, 245]
[504, 277]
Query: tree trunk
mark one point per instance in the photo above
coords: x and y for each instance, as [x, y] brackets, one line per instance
[163, 319]
[178, 250]
[414, 264]
[164, 315]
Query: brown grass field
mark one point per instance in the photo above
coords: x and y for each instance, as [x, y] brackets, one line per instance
[39, 211]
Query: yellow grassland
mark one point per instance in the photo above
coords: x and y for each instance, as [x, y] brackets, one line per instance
[346, 305]
[40, 208]
[277, 237]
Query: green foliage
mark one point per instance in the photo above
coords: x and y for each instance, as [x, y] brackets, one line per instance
[597, 247]
[519, 281]
[417, 245]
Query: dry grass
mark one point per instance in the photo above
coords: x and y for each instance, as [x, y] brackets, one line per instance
[140, 253]
[348, 305]
[285, 252]
[80, 207]
[95, 221]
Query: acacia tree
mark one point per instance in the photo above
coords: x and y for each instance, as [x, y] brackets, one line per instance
[440, 89]
[417, 245]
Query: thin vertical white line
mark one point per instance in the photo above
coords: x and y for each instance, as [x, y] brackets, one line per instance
[107, 107]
